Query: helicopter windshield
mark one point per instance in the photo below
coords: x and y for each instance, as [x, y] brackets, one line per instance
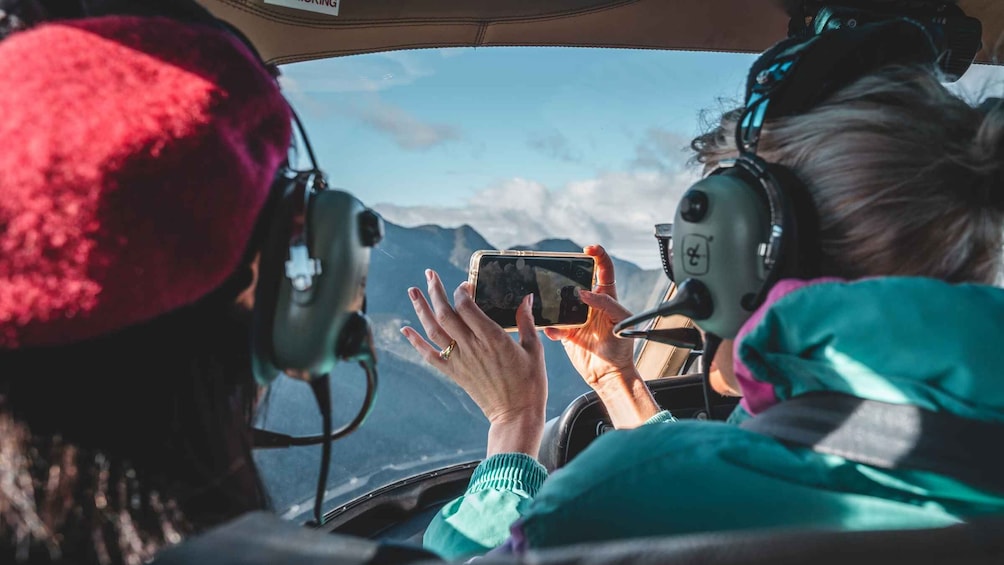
[466, 149]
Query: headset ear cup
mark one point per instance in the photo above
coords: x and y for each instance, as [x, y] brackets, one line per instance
[717, 230]
[271, 269]
[792, 214]
[800, 221]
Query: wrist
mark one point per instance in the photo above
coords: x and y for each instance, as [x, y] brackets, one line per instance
[516, 433]
[617, 381]
[627, 398]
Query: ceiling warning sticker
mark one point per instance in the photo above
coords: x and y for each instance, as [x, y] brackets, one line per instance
[329, 7]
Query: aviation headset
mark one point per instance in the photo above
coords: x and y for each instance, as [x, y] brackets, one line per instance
[310, 300]
[749, 222]
[310, 296]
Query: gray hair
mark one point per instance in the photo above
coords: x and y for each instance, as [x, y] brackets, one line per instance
[907, 178]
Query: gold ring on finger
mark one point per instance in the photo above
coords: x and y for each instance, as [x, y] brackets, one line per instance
[448, 350]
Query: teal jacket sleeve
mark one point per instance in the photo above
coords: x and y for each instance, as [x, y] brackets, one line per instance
[660, 418]
[479, 520]
[500, 490]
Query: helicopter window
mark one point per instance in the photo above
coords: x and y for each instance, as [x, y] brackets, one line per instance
[464, 149]
[979, 82]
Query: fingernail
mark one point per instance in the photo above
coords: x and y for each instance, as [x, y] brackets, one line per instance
[528, 301]
[584, 292]
[428, 275]
[413, 293]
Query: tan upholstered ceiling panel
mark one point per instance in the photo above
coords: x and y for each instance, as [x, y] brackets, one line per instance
[286, 35]
[991, 14]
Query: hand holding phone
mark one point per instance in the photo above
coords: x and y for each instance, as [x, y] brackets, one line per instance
[500, 279]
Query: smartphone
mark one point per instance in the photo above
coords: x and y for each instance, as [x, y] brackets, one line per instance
[500, 279]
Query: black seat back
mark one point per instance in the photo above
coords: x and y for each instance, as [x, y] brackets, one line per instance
[978, 543]
[261, 538]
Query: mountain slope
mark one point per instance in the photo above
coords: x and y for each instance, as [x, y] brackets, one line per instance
[420, 420]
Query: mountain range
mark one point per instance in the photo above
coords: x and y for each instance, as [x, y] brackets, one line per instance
[420, 420]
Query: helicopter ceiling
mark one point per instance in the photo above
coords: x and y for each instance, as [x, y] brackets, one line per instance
[286, 35]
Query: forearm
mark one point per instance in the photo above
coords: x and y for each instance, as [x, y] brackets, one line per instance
[628, 401]
[518, 435]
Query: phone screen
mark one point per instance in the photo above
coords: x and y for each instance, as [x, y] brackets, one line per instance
[502, 282]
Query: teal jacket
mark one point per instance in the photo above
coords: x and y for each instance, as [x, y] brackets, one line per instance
[902, 340]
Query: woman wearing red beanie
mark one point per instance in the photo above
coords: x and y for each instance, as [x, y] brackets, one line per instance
[136, 164]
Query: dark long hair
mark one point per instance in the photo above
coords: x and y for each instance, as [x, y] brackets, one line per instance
[122, 444]
[112, 448]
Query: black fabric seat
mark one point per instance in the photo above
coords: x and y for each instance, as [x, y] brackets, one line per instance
[260, 538]
[980, 543]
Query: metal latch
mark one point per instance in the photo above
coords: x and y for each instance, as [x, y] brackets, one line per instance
[301, 268]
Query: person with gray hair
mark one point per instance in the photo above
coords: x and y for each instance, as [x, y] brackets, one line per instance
[907, 184]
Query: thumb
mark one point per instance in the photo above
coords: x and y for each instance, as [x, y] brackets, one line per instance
[606, 304]
[528, 337]
[557, 334]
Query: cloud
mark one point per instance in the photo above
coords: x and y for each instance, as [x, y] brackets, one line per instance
[359, 80]
[554, 145]
[407, 131]
[660, 150]
[615, 209]
[369, 73]
[451, 52]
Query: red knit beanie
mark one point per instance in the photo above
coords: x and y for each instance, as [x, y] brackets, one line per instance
[135, 157]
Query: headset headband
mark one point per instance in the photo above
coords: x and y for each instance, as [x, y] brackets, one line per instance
[798, 73]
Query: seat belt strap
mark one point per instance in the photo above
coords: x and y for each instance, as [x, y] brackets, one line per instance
[889, 436]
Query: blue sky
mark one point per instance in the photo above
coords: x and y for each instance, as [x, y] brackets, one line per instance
[521, 143]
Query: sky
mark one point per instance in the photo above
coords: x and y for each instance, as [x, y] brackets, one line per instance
[520, 143]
